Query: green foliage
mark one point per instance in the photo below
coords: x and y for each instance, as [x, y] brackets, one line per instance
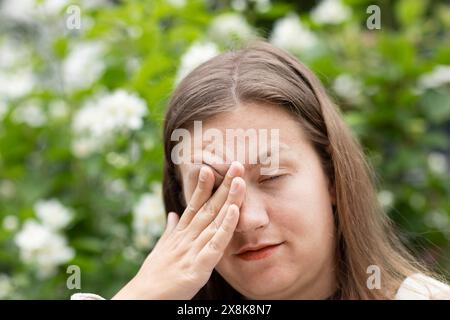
[376, 77]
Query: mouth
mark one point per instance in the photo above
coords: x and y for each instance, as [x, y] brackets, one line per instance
[258, 253]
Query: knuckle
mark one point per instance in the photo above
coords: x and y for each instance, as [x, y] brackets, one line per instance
[179, 228]
[190, 208]
[215, 228]
[191, 276]
[226, 228]
[214, 246]
[212, 209]
[212, 228]
[211, 231]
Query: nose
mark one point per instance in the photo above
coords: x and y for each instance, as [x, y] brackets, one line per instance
[253, 214]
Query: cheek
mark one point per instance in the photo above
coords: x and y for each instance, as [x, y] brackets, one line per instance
[302, 208]
[303, 215]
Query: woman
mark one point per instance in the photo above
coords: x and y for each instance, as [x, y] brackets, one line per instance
[307, 227]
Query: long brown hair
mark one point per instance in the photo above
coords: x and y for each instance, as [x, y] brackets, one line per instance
[263, 73]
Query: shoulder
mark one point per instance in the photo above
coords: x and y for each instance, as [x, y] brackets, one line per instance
[421, 287]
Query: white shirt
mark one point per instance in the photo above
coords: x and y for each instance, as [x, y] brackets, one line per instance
[415, 287]
[421, 287]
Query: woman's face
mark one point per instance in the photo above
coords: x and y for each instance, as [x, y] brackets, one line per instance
[289, 207]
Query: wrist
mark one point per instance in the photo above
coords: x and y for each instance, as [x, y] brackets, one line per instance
[131, 291]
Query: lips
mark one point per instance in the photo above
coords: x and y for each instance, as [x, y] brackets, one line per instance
[258, 252]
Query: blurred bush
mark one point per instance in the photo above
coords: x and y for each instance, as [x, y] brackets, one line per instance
[83, 89]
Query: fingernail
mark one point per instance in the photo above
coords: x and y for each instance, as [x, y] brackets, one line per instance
[234, 186]
[169, 218]
[234, 169]
[203, 174]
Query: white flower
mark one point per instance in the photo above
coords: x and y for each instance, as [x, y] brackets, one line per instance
[28, 10]
[88, 119]
[96, 122]
[16, 74]
[230, 26]
[347, 87]
[18, 10]
[149, 217]
[10, 223]
[83, 65]
[83, 147]
[289, 34]
[436, 78]
[13, 54]
[330, 12]
[14, 84]
[51, 7]
[385, 198]
[117, 111]
[124, 110]
[437, 163]
[30, 114]
[42, 247]
[198, 53]
[53, 214]
[33, 236]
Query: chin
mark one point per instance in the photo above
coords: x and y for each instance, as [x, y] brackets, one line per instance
[266, 285]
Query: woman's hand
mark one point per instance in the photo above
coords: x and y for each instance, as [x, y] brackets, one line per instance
[184, 257]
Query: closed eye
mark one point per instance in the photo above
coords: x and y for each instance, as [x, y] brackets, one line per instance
[272, 178]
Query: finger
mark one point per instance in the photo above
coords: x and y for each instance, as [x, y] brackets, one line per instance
[172, 221]
[213, 251]
[201, 194]
[236, 196]
[212, 207]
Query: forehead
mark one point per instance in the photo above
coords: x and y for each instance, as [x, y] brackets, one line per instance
[254, 115]
[244, 134]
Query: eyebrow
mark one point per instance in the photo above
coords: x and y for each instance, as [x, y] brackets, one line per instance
[283, 148]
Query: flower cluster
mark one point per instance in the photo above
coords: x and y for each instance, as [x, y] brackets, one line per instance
[97, 121]
[40, 241]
